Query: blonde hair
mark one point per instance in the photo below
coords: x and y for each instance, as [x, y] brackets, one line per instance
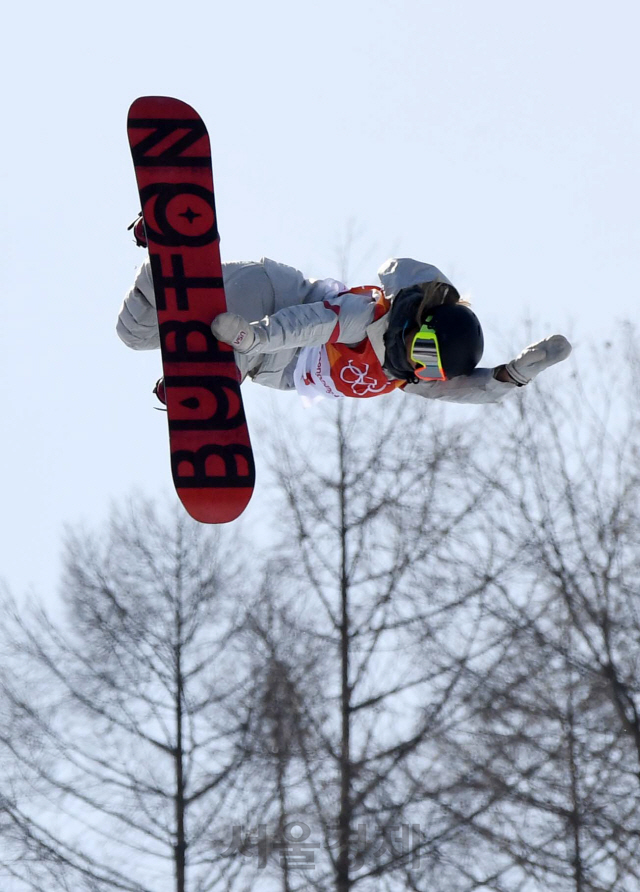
[437, 294]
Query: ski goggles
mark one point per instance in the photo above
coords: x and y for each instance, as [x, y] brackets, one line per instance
[425, 352]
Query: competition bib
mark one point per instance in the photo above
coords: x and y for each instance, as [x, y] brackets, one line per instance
[339, 370]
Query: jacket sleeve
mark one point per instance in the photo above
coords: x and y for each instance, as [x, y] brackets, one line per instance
[478, 387]
[137, 324]
[343, 318]
[324, 310]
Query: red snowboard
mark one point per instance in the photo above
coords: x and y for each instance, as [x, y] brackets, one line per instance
[211, 458]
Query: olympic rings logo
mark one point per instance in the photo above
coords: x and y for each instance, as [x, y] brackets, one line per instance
[360, 381]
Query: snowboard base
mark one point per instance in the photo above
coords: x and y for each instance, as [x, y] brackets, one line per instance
[211, 457]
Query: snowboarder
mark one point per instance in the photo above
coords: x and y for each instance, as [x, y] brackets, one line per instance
[324, 340]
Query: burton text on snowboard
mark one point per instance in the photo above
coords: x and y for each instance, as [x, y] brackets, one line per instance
[211, 458]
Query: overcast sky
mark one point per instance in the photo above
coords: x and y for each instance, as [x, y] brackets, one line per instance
[498, 140]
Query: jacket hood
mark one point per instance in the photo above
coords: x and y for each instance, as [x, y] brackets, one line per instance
[402, 272]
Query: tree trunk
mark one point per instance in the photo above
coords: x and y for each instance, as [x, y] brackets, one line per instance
[180, 848]
[343, 879]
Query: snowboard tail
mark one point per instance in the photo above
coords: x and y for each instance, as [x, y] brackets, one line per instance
[211, 457]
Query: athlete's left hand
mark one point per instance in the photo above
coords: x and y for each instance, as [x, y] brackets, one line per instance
[536, 359]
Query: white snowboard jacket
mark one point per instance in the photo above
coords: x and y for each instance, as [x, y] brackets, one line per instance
[295, 313]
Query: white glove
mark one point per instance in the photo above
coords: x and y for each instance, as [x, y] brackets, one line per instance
[234, 330]
[537, 358]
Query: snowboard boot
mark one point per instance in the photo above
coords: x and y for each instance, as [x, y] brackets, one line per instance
[139, 233]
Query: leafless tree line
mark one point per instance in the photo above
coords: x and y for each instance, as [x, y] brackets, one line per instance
[428, 680]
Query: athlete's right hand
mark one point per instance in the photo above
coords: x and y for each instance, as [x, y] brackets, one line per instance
[234, 330]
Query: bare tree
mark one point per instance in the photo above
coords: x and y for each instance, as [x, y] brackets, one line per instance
[477, 724]
[286, 673]
[430, 683]
[561, 719]
[385, 556]
[115, 713]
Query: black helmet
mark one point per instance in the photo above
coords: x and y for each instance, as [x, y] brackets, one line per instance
[457, 328]
[460, 337]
